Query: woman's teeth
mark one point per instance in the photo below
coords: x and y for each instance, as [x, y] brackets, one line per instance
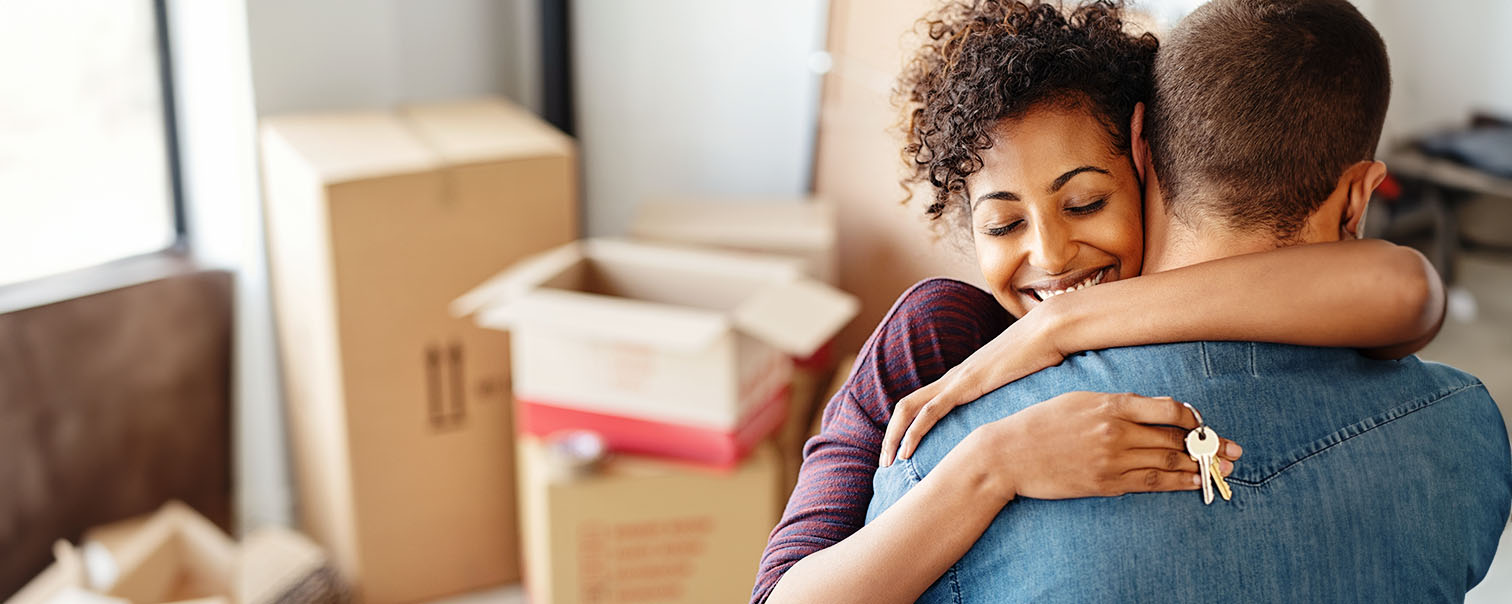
[1096, 278]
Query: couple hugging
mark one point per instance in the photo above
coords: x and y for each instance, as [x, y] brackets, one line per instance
[1159, 224]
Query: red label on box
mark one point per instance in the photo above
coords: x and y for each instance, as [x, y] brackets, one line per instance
[719, 448]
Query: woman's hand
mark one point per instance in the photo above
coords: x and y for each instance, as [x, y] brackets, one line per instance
[1090, 444]
[1025, 347]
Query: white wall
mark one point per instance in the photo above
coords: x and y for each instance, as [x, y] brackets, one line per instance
[693, 97]
[1447, 60]
[342, 54]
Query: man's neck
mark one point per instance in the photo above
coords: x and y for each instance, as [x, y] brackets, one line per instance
[1174, 245]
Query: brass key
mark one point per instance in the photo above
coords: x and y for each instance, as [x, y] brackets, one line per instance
[1223, 487]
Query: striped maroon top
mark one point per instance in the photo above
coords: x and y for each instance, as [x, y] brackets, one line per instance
[934, 326]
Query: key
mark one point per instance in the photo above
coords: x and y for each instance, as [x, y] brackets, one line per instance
[1202, 445]
[1223, 487]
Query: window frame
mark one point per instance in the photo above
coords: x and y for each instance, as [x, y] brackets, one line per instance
[128, 270]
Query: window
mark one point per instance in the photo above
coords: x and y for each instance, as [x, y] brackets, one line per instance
[87, 167]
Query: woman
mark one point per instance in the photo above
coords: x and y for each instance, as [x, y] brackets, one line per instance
[1001, 98]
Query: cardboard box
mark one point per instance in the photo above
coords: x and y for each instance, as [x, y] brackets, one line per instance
[885, 246]
[399, 413]
[669, 351]
[797, 228]
[176, 555]
[645, 530]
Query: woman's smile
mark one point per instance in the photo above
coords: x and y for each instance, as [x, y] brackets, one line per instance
[1047, 288]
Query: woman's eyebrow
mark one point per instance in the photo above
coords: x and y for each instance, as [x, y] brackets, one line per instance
[1064, 178]
[1003, 195]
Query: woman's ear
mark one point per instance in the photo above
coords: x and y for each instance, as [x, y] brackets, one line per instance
[1139, 150]
[1370, 176]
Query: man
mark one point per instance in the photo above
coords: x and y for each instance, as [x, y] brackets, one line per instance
[1361, 480]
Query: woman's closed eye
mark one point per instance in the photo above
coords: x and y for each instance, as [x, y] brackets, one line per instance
[1003, 229]
[1089, 208]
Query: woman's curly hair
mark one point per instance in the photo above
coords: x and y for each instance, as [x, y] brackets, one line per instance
[986, 60]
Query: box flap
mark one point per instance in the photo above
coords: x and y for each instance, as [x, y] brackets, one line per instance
[691, 258]
[521, 278]
[762, 224]
[610, 318]
[348, 146]
[482, 130]
[797, 316]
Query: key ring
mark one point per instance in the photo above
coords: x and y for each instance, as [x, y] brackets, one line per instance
[1200, 424]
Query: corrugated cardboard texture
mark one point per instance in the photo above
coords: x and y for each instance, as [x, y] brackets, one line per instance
[884, 246]
[646, 531]
[400, 413]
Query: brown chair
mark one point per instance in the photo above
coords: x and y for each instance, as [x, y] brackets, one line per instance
[110, 405]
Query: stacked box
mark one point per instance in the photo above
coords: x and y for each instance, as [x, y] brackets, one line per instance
[399, 413]
[803, 229]
[645, 530]
[669, 351]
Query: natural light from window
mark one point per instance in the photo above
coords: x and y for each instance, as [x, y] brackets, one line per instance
[84, 174]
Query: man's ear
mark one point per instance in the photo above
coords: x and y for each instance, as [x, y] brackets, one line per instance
[1139, 149]
[1368, 175]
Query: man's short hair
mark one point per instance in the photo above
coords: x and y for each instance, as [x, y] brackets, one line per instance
[1260, 106]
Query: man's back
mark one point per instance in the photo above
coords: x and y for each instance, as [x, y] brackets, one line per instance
[1361, 481]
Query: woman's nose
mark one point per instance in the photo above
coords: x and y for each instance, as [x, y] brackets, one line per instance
[1052, 249]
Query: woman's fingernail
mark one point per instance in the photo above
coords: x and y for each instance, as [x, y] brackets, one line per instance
[1235, 450]
[1227, 467]
[1196, 480]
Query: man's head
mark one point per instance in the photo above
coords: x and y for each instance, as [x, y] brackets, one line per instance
[1265, 118]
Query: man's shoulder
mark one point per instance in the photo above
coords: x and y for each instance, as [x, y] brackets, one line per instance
[1238, 378]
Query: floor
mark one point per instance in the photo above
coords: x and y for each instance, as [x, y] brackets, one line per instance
[1476, 337]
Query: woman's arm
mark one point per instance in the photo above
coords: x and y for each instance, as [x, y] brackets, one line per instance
[1370, 294]
[1079, 444]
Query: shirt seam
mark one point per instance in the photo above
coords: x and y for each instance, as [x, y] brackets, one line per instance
[1359, 428]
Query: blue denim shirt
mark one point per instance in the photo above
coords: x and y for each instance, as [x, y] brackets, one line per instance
[1361, 481]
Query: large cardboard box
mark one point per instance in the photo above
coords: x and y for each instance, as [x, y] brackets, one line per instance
[664, 350]
[798, 228]
[645, 530]
[399, 413]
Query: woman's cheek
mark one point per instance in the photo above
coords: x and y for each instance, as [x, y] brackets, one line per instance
[1130, 244]
[998, 260]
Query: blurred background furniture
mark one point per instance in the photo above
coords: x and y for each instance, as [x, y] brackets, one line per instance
[110, 405]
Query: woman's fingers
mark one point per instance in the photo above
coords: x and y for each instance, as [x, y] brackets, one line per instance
[1166, 459]
[1140, 436]
[927, 418]
[1152, 410]
[1147, 480]
[902, 417]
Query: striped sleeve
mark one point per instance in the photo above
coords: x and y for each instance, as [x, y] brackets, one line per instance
[934, 326]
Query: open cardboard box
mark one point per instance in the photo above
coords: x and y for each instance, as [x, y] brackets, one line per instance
[664, 350]
[176, 555]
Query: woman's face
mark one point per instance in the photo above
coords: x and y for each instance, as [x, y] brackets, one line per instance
[1053, 208]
